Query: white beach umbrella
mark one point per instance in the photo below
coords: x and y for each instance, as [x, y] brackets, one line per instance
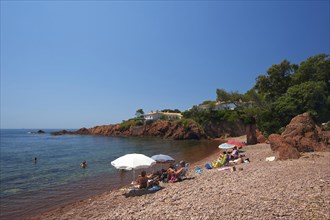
[162, 158]
[226, 146]
[132, 162]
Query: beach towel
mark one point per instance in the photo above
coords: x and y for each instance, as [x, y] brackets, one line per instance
[154, 188]
[270, 158]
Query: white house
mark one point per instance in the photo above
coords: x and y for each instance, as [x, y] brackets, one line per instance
[223, 105]
[167, 115]
[218, 106]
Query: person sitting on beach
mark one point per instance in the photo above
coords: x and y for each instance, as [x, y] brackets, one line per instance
[224, 159]
[234, 154]
[174, 175]
[142, 180]
[164, 172]
[83, 164]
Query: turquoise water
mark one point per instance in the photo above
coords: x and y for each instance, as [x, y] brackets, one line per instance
[56, 178]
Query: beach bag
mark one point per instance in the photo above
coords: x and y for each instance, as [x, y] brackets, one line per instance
[208, 166]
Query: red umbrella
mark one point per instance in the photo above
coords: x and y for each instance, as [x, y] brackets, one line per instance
[236, 143]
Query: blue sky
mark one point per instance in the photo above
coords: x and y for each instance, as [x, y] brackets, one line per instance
[86, 63]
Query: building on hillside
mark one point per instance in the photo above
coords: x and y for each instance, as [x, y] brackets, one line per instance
[223, 105]
[162, 115]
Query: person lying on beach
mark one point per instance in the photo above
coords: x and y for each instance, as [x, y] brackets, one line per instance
[238, 160]
[174, 175]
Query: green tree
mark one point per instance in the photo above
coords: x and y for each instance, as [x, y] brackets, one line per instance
[171, 110]
[309, 96]
[268, 122]
[277, 80]
[222, 95]
[316, 68]
[255, 99]
[209, 102]
[289, 89]
[139, 113]
[234, 97]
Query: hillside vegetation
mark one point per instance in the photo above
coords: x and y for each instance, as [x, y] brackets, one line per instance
[283, 92]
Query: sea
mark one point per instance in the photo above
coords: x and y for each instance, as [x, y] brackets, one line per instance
[29, 186]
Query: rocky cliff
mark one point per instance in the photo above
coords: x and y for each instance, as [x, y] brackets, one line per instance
[164, 129]
[215, 129]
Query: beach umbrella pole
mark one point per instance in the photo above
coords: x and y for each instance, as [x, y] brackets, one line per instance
[133, 176]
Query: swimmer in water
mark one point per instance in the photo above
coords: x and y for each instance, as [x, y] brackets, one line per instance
[83, 164]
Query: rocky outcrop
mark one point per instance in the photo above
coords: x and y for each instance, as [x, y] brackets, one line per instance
[82, 131]
[38, 132]
[301, 135]
[41, 132]
[61, 132]
[175, 130]
[215, 129]
[260, 137]
[283, 149]
[164, 129]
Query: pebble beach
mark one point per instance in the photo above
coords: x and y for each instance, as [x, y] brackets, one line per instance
[290, 189]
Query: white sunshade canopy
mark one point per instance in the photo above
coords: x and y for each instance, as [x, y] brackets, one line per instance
[133, 161]
[162, 158]
[226, 146]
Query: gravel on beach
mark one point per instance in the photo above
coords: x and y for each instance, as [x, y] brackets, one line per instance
[291, 189]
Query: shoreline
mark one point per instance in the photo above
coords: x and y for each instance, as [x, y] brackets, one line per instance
[118, 187]
[32, 203]
[291, 189]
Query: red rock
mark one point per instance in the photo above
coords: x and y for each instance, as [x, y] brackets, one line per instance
[300, 135]
[163, 129]
[260, 137]
[82, 131]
